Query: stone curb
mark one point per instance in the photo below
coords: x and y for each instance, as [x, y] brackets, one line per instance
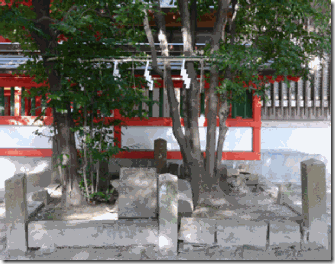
[277, 233]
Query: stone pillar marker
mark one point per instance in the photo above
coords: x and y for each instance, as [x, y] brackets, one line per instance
[160, 154]
[313, 184]
[168, 216]
[16, 214]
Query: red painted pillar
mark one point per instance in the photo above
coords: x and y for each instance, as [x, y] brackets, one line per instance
[17, 102]
[256, 115]
[117, 129]
[38, 105]
[48, 110]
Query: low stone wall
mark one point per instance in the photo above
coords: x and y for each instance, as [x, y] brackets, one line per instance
[308, 230]
[83, 233]
[265, 235]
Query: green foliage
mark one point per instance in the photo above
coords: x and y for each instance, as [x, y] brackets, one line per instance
[274, 32]
[87, 34]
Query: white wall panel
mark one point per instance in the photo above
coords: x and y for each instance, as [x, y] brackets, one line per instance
[237, 139]
[23, 137]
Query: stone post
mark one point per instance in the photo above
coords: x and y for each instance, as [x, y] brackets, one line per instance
[313, 184]
[282, 194]
[168, 216]
[16, 214]
[160, 154]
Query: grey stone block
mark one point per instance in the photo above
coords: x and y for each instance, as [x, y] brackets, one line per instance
[232, 172]
[185, 202]
[317, 234]
[33, 207]
[241, 232]
[41, 196]
[313, 184]
[168, 215]
[197, 230]
[16, 213]
[138, 192]
[284, 234]
[314, 200]
[83, 233]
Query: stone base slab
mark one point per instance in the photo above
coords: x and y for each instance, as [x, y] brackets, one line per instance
[82, 233]
[197, 230]
[241, 232]
[284, 234]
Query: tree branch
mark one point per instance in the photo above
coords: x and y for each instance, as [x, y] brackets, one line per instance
[232, 21]
[150, 37]
[194, 16]
[177, 131]
[191, 99]
[45, 18]
[68, 12]
[218, 33]
[220, 23]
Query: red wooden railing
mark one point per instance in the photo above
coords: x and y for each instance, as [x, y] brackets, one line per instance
[7, 80]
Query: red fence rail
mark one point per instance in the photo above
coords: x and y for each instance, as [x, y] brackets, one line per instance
[7, 81]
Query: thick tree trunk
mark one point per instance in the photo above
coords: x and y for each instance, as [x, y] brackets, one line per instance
[55, 173]
[66, 140]
[71, 194]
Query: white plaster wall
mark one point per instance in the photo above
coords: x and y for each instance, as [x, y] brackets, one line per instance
[307, 140]
[23, 137]
[282, 148]
[237, 139]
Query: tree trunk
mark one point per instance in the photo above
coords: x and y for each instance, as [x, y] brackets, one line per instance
[66, 140]
[55, 173]
[71, 194]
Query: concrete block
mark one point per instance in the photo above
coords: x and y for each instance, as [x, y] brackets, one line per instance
[83, 233]
[168, 215]
[185, 202]
[197, 230]
[314, 201]
[41, 196]
[313, 183]
[284, 234]
[16, 213]
[317, 234]
[138, 192]
[33, 207]
[232, 172]
[241, 232]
